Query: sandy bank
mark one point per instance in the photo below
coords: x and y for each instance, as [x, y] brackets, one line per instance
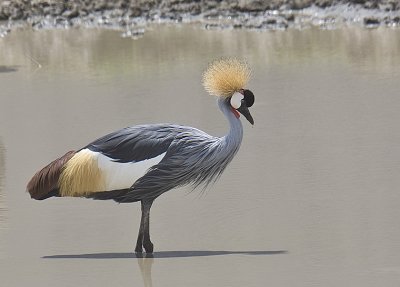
[248, 14]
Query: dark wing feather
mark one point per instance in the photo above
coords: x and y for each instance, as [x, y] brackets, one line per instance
[193, 158]
[134, 144]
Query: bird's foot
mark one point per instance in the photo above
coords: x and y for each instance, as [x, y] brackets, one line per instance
[138, 249]
[148, 246]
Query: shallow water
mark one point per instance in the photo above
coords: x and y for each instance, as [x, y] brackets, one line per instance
[311, 198]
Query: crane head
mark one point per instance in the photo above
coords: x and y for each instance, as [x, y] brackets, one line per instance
[241, 102]
[227, 78]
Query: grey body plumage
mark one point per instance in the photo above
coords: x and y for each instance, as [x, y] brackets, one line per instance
[193, 157]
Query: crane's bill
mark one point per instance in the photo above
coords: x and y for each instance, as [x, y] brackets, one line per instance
[244, 110]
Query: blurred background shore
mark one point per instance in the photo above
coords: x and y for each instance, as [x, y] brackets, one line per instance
[222, 14]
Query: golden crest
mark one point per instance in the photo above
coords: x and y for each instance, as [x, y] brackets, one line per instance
[226, 76]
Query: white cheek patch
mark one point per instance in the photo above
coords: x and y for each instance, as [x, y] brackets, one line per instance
[236, 100]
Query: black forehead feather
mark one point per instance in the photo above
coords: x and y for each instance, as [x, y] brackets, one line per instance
[248, 97]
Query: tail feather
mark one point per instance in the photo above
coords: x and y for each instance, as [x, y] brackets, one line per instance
[44, 183]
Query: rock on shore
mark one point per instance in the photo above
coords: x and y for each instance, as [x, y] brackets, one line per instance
[214, 14]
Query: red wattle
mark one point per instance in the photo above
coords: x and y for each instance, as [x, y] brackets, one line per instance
[235, 112]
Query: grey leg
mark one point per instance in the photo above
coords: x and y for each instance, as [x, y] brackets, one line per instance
[143, 239]
[139, 241]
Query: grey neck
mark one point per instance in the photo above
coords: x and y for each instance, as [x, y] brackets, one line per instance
[234, 138]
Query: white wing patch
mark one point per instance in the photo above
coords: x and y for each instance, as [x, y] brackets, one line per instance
[119, 175]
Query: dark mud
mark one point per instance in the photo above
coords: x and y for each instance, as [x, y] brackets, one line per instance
[133, 15]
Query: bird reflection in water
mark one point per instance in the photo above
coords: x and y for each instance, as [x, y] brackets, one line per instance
[145, 263]
[146, 260]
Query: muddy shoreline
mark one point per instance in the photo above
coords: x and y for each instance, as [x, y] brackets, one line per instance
[133, 15]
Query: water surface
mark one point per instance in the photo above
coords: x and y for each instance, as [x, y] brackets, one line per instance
[311, 198]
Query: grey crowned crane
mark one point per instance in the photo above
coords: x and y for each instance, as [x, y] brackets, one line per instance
[142, 162]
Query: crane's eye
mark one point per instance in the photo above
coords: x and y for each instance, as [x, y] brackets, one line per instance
[248, 97]
[236, 100]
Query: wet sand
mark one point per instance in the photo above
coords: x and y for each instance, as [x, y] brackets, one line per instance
[310, 200]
